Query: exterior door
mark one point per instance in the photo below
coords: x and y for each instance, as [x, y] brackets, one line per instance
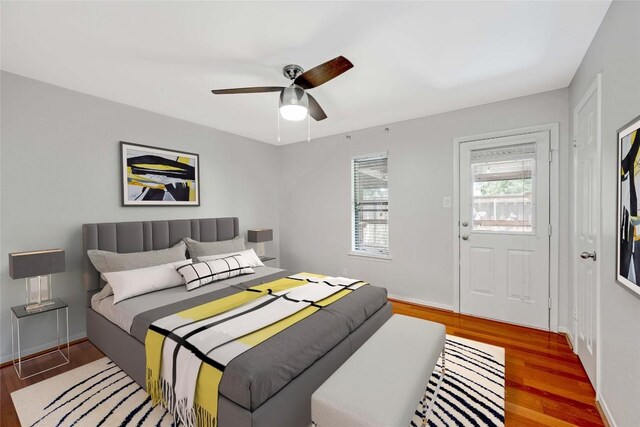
[504, 229]
[587, 223]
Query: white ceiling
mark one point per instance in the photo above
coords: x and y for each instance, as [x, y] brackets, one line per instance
[411, 59]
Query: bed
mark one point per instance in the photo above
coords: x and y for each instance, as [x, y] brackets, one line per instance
[243, 401]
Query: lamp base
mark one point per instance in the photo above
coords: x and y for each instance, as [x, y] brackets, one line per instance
[39, 293]
[39, 306]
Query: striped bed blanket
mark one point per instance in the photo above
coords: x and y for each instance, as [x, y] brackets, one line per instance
[187, 352]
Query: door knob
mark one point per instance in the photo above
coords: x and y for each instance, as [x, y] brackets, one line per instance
[587, 255]
[465, 237]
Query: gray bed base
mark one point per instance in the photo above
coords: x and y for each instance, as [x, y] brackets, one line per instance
[291, 406]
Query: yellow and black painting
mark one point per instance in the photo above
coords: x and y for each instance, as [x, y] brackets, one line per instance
[628, 205]
[157, 176]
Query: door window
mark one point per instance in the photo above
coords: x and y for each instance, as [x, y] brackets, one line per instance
[503, 189]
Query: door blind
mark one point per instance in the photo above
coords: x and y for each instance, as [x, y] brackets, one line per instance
[371, 205]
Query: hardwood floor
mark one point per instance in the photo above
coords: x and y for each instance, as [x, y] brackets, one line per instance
[545, 382]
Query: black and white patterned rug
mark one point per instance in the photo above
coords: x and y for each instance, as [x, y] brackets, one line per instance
[472, 392]
[101, 394]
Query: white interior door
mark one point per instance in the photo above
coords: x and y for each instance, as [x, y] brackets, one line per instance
[587, 223]
[504, 229]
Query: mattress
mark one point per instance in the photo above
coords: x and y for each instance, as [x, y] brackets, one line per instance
[124, 312]
[252, 378]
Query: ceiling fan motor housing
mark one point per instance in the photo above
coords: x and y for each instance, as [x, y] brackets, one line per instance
[294, 95]
[292, 71]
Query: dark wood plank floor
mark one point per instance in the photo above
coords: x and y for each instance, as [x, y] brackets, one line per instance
[545, 383]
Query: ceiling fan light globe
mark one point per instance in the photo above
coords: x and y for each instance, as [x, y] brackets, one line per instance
[294, 103]
[293, 113]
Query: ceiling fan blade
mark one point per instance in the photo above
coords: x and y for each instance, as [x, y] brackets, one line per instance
[323, 73]
[315, 110]
[259, 89]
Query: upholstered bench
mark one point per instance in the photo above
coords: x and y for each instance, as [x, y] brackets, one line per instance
[381, 384]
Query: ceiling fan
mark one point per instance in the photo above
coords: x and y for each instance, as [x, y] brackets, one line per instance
[295, 101]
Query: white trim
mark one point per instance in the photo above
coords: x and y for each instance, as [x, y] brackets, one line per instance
[376, 155]
[595, 87]
[353, 251]
[554, 220]
[46, 346]
[425, 303]
[509, 132]
[371, 256]
[567, 332]
[455, 208]
[605, 411]
[573, 231]
[554, 211]
[599, 244]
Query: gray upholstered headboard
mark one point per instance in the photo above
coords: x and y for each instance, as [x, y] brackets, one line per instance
[139, 236]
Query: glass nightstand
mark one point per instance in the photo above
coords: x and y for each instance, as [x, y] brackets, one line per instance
[24, 368]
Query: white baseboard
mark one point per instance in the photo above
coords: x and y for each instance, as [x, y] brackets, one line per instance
[422, 302]
[27, 351]
[606, 412]
[567, 332]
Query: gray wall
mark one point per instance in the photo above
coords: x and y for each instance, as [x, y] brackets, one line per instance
[71, 140]
[615, 52]
[316, 191]
[60, 168]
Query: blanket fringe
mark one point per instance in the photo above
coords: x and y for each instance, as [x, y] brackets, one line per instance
[162, 393]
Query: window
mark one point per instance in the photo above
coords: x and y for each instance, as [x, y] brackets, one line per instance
[503, 189]
[370, 202]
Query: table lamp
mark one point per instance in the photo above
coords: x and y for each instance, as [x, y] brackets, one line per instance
[259, 236]
[36, 267]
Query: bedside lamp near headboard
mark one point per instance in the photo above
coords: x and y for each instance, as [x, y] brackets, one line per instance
[259, 236]
[36, 267]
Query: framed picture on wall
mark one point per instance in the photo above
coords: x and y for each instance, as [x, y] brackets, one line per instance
[628, 233]
[153, 176]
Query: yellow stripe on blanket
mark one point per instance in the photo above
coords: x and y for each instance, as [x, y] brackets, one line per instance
[222, 305]
[209, 377]
[153, 340]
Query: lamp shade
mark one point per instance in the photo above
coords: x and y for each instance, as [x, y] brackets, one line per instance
[259, 235]
[36, 263]
[294, 103]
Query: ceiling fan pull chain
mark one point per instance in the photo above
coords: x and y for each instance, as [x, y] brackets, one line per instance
[308, 128]
[278, 111]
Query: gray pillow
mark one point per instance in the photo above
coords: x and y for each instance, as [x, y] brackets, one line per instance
[106, 262]
[198, 249]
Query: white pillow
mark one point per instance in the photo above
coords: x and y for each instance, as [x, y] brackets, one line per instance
[250, 255]
[131, 283]
[202, 273]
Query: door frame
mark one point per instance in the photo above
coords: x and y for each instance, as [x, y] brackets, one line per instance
[554, 210]
[572, 331]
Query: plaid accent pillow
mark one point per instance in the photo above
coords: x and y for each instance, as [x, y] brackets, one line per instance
[202, 273]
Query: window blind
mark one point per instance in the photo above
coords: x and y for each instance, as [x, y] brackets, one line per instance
[503, 154]
[371, 205]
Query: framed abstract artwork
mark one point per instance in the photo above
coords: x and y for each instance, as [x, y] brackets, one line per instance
[628, 233]
[153, 176]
